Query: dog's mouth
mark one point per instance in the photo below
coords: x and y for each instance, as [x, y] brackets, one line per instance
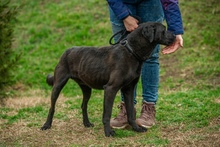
[173, 38]
[170, 38]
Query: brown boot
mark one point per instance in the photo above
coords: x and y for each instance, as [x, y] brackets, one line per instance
[121, 121]
[147, 117]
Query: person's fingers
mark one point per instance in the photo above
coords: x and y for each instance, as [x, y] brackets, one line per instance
[130, 23]
[170, 49]
[181, 42]
[180, 39]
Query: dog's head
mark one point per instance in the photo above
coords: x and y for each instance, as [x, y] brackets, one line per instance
[157, 33]
[144, 39]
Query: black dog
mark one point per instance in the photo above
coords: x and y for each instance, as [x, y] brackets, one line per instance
[110, 68]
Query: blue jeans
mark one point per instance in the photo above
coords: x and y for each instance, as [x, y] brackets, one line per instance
[147, 10]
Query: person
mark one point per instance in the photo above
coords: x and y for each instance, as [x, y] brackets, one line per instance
[122, 16]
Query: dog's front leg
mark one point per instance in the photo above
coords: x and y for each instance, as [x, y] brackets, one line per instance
[128, 93]
[109, 96]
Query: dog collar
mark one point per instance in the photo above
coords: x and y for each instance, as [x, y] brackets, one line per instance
[129, 48]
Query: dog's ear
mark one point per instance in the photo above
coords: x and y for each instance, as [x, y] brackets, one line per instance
[148, 33]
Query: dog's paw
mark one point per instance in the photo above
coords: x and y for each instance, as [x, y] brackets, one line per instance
[140, 129]
[87, 125]
[45, 127]
[110, 133]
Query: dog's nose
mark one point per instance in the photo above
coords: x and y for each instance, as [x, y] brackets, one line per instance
[171, 34]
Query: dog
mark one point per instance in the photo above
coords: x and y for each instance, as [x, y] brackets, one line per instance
[109, 68]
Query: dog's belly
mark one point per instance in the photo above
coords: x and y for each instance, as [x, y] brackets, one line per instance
[93, 79]
[93, 70]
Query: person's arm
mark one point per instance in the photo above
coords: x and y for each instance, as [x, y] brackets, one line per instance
[174, 22]
[173, 16]
[124, 14]
[120, 10]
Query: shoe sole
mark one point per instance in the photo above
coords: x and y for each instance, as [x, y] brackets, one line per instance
[122, 127]
[145, 126]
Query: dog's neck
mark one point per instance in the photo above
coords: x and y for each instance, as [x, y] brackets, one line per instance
[130, 49]
[141, 52]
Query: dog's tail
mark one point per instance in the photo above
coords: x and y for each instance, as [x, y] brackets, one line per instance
[50, 80]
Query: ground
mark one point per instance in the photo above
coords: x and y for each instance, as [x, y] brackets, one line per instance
[72, 132]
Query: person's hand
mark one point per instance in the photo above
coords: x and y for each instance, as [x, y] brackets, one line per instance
[130, 23]
[175, 46]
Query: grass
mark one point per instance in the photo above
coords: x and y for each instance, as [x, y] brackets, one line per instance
[189, 95]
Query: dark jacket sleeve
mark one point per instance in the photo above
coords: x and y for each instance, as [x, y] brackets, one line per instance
[173, 16]
[120, 10]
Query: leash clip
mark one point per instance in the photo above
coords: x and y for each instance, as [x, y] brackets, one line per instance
[124, 42]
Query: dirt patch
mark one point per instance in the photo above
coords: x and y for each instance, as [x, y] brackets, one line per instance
[195, 137]
[62, 134]
[217, 100]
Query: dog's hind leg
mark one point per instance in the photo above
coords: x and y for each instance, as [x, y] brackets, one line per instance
[49, 80]
[86, 96]
[128, 92]
[59, 82]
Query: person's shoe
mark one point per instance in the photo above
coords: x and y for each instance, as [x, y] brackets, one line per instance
[121, 121]
[147, 117]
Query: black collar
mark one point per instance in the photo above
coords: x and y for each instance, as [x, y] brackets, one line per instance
[129, 48]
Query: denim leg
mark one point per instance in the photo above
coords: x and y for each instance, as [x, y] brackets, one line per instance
[147, 10]
[151, 10]
[150, 77]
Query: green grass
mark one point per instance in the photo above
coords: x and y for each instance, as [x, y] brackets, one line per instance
[189, 95]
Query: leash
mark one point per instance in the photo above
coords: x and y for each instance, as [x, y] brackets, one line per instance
[123, 33]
